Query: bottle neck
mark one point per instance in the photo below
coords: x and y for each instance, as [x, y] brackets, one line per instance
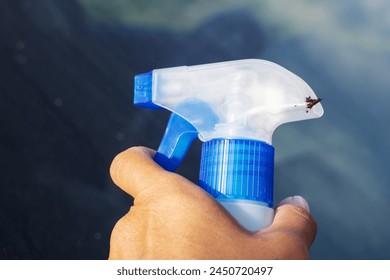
[238, 169]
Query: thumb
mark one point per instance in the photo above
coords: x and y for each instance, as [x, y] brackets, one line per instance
[297, 201]
[293, 223]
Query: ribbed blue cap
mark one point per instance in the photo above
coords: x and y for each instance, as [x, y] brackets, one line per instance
[238, 169]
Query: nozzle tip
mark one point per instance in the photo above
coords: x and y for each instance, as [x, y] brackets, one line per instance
[143, 91]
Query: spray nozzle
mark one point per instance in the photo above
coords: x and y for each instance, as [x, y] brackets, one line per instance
[234, 107]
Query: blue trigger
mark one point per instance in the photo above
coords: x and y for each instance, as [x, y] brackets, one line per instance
[175, 143]
[179, 133]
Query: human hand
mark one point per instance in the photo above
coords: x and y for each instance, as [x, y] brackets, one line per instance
[172, 218]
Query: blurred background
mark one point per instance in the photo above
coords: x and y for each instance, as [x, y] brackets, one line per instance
[66, 83]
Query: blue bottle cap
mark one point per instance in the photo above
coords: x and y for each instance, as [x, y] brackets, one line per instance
[238, 169]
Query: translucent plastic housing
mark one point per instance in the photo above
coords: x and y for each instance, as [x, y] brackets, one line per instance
[243, 99]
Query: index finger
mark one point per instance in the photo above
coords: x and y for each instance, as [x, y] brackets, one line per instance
[134, 169]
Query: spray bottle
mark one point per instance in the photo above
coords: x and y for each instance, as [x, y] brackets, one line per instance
[234, 108]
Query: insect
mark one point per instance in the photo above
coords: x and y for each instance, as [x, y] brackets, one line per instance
[310, 102]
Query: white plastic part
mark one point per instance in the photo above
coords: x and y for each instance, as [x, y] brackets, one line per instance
[241, 99]
[251, 215]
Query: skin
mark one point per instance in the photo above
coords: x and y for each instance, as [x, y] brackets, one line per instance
[172, 218]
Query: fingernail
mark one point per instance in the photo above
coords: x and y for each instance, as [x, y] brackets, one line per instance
[296, 200]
